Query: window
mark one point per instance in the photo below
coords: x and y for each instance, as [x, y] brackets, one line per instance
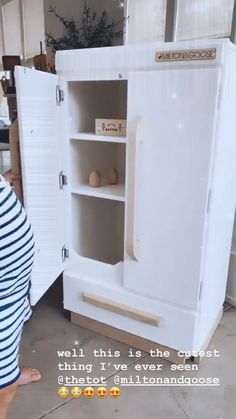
[12, 28]
[33, 18]
[1, 36]
[145, 20]
[203, 18]
[22, 27]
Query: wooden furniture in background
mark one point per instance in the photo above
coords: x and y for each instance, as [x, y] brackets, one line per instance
[9, 62]
[15, 158]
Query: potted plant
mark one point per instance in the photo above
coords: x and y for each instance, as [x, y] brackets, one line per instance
[93, 31]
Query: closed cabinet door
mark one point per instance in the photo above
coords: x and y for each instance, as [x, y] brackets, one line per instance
[170, 148]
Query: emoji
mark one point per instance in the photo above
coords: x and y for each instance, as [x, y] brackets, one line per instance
[115, 392]
[89, 392]
[76, 392]
[63, 392]
[102, 392]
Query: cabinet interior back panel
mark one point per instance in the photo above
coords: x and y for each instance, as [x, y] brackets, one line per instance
[96, 236]
[95, 155]
[89, 100]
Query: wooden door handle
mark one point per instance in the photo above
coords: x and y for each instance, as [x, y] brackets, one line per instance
[122, 309]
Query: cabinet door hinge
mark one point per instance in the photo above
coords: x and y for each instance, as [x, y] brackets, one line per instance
[64, 253]
[62, 180]
[59, 95]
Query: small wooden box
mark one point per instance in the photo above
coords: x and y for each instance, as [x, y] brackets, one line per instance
[114, 127]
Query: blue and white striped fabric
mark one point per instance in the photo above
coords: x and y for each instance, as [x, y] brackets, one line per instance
[16, 260]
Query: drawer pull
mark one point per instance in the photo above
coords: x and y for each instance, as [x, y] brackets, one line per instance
[121, 309]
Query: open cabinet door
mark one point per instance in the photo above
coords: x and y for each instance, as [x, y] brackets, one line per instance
[40, 146]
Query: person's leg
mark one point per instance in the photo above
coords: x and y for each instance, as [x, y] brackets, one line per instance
[28, 375]
[6, 396]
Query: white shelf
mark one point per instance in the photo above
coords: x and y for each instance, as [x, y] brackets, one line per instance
[112, 192]
[87, 136]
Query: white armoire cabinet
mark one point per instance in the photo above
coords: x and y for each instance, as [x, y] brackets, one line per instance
[150, 255]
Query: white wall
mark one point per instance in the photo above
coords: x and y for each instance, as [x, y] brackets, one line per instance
[74, 8]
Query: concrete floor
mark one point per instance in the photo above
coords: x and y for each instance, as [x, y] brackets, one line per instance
[50, 331]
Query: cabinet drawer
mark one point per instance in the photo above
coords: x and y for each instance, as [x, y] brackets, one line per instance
[141, 316]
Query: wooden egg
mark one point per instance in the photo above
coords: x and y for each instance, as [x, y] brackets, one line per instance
[95, 179]
[113, 176]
